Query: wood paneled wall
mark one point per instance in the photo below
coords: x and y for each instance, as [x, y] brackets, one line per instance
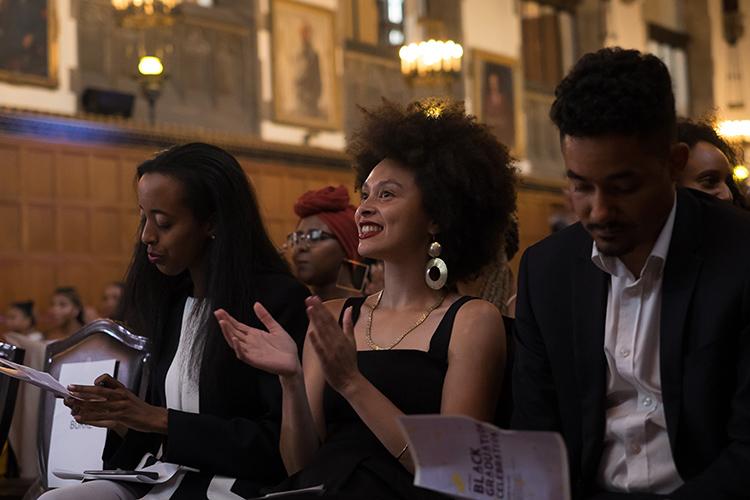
[67, 217]
[535, 209]
[68, 213]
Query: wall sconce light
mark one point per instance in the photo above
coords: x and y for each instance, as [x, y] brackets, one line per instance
[151, 77]
[741, 173]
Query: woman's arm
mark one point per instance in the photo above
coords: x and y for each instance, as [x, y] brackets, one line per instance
[476, 360]
[302, 423]
[302, 420]
[247, 445]
[237, 433]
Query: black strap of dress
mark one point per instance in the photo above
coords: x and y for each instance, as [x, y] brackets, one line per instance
[440, 340]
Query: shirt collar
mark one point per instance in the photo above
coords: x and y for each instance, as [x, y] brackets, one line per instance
[614, 266]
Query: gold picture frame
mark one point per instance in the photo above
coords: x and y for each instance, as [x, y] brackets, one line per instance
[498, 98]
[306, 88]
[29, 42]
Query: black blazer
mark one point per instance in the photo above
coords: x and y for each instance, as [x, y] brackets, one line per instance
[236, 433]
[559, 380]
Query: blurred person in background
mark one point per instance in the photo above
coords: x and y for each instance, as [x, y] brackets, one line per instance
[496, 283]
[22, 435]
[111, 296]
[67, 313]
[324, 245]
[20, 320]
[710, 166]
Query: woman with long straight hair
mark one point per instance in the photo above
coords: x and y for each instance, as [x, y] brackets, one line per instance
[202, 245]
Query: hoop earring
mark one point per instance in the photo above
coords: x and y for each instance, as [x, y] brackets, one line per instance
[436, 271]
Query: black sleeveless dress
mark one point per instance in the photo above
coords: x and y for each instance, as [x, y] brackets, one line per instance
[352, 463]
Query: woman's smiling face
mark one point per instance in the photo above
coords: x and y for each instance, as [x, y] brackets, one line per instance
[391, 219]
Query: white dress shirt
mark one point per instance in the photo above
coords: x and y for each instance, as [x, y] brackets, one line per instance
[637, 456]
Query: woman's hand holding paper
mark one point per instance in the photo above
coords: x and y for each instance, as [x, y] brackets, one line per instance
[110, 404]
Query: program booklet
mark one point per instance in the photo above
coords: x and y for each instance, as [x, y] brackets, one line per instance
[42, 380]
[465, 458]
[157, 473]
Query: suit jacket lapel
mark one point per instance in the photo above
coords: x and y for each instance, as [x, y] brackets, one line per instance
[589, 295]
[680, 275]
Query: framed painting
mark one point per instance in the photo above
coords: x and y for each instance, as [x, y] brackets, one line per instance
[497, 98]
[305, 86]
[28, 42]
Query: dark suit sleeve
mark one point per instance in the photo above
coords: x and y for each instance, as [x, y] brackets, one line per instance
[534, 395]
[126, 452]
[728, 477]
[241, 447]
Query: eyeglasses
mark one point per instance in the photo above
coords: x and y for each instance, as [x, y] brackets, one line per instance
[309, 238]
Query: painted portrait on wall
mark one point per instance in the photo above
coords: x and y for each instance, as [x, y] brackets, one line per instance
[28, 42]
[305, 86]
[497, 100]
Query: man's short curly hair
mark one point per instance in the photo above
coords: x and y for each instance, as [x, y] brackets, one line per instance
[465, 175]
[617, 91]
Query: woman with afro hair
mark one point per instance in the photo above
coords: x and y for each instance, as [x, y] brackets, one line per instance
[437, 190]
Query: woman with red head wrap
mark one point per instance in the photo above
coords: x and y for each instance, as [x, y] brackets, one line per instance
[325, 239]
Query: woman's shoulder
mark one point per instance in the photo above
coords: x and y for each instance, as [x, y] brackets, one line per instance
[476, 317]
[474, 306]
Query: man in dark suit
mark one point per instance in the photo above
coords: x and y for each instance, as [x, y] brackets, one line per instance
[633, 325]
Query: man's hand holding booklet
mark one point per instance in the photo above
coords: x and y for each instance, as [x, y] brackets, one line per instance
[465, 458]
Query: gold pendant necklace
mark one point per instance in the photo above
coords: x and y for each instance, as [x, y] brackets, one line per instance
[422, 319]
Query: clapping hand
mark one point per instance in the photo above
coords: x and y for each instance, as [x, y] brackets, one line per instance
[273, 351]
[335, 347]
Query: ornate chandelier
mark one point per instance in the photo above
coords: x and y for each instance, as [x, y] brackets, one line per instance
[433, 57]
[734, 130]
[141, 14]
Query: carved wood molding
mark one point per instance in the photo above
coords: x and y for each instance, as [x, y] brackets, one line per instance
[83, 128]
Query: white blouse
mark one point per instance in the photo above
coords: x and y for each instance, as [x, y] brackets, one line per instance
[181, 385]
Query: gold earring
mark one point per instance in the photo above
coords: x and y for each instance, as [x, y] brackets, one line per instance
[436, 271]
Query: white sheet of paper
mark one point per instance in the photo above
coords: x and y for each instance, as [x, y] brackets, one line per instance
[465, 458]
[74, 446]
[165, 471]
[40, 379]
